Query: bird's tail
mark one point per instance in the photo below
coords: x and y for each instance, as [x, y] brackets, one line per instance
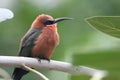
[18, 73]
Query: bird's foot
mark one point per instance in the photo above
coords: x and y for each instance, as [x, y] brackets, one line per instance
[43, 58]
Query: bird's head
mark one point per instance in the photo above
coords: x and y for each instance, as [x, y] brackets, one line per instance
[46, 21]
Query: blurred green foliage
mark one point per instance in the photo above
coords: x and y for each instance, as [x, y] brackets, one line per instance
[106, 24]
[79, 43]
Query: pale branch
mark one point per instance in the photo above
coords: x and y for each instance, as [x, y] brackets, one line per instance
[12, 61]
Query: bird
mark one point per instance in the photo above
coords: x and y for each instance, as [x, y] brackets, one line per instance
[39, 41]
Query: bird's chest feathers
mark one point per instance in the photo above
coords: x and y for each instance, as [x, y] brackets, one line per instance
[49, 36]
[46, 41]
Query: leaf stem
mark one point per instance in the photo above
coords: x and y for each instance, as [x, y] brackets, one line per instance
[36, 72]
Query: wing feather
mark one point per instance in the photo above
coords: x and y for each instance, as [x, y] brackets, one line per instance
[27, 42]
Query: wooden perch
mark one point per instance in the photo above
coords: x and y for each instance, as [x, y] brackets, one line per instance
[12, 61]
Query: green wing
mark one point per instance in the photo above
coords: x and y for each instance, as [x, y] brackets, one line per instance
[27, 42]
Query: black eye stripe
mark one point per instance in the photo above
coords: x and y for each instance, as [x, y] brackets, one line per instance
[48, 22]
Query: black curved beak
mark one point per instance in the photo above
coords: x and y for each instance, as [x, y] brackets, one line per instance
[62, 19]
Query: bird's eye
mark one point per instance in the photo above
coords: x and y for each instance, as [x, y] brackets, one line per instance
[48, 22]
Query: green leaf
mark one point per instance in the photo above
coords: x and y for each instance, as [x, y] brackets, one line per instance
[107, 24]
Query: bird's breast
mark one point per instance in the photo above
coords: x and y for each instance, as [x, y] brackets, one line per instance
[46, 42]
